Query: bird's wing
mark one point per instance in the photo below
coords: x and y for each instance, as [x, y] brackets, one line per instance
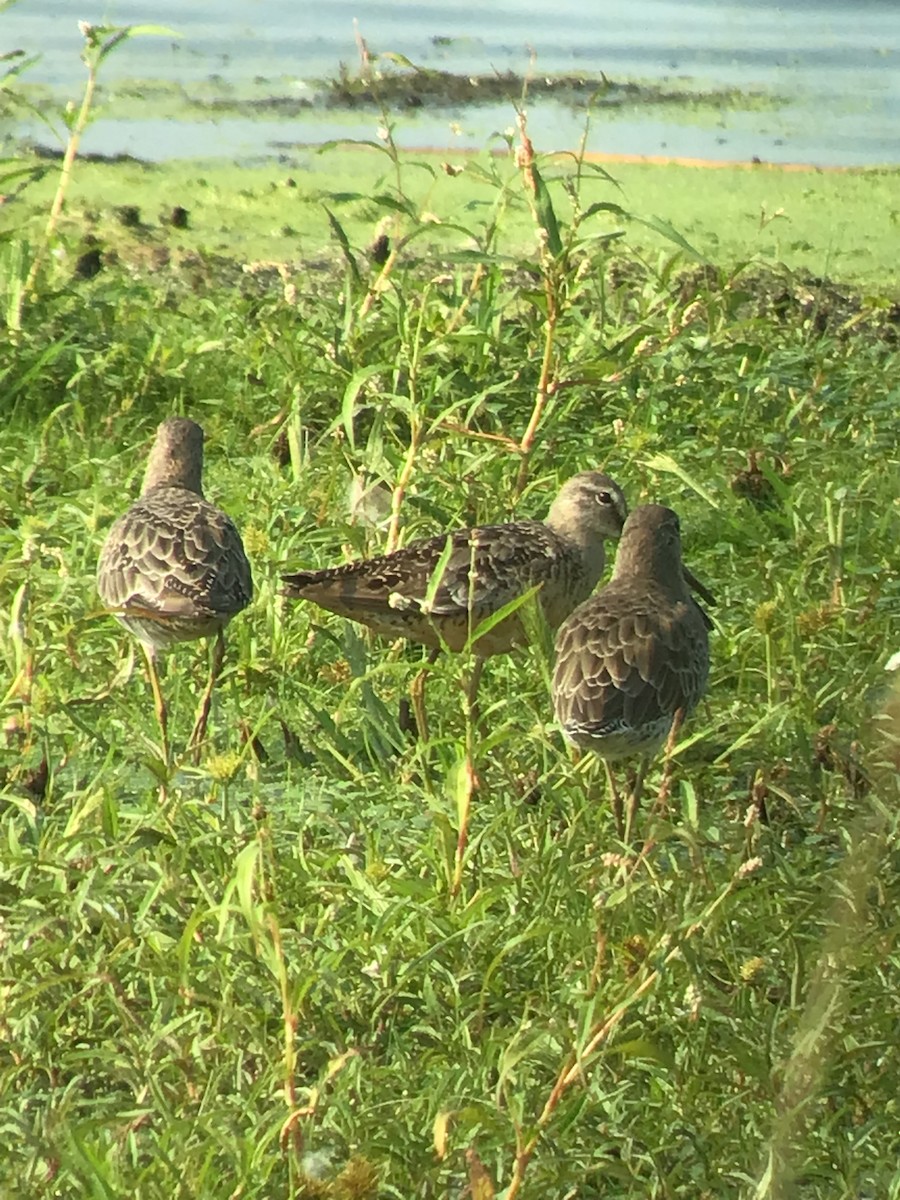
[175, 555]
[486, 568]
[623, 661]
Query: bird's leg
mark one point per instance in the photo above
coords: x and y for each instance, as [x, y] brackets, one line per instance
[665, 788]
[162, 715]
[634, 797]
[159, 703]
[616, 797]
[419, 724]
[199, 731]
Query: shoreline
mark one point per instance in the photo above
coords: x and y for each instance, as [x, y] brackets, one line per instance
[740, 164]
[54, 154]
[674, 160]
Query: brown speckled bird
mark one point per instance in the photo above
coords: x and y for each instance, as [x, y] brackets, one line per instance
[173, 568]
[438, 590]
[632, 662]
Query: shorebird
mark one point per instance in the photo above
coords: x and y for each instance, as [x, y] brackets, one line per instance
[632, 662]
[173, 567]
[439, 590]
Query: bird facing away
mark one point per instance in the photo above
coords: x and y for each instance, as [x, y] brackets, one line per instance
[632, 662]
[438, 590]
[173, 567]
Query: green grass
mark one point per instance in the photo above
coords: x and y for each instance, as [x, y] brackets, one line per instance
[280, 941]
[842, 225]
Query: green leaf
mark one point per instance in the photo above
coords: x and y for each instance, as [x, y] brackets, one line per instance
[345, 197]
[596, 169]
[384, 200]
[668, 465]
[338, 230]
[118, 36]
[338, 142]
[658, 225]
[644, 1048]
[400, 59]
[479, 172]
[437, 575]
[351, 392]
[604, 206]
[546, 213]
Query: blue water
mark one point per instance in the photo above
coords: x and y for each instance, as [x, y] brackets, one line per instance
[837, 62]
